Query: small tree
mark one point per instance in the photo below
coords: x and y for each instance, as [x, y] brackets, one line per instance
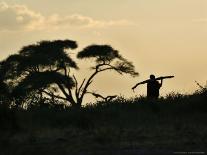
[44, 68]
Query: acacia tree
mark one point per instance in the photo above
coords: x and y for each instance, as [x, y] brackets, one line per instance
[39, 68]
[106, 58]
[44, 69]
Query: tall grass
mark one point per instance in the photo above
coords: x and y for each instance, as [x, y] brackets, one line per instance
[175, 122]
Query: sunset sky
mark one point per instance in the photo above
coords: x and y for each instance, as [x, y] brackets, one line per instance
[163, 37]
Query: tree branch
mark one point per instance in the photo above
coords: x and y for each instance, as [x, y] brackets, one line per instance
[71, 97]
[63, 90]
[89, 81]
[52, 95]
[112, 67]
[107, 98]
[96, 95]
[81, 86]
[76, 87]
[98, 67]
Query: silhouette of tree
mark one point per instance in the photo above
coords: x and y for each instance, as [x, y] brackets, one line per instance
[106, 58]
[39, 67]
[43, 69]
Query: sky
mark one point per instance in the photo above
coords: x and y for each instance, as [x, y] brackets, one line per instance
[162, 37]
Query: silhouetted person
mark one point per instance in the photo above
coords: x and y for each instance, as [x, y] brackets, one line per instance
[153, 87]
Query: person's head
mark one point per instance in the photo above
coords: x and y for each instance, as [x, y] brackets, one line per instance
[152, 77]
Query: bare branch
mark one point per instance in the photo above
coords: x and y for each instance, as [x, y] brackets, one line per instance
[104, 64]
[100, 65]
[52, 95]
[63, 90]
[199, 85]
[110, 68]
[81, 86]
[96, 95]
[107, 98]
[89, 81]
[71, 97]
[116, 69]
[76, 82]
[76, 86]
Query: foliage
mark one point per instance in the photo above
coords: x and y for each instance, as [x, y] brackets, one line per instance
[39, 67]
[107, 58]
[44, 69]
[45, 55]
[116, 126]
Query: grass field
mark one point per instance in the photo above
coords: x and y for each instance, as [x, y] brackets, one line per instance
[123, 126]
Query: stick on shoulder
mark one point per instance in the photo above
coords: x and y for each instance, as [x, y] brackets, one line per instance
[146, 81]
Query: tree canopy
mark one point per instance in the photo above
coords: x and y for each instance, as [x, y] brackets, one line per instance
[106, 56]
[44, 68]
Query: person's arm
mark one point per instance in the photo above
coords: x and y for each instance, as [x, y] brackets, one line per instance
[143, 82]
[135, 86]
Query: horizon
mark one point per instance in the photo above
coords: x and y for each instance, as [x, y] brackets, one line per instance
[162, 38]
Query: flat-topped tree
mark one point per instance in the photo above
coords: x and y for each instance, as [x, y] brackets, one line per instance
[41, 68]
[106, 58]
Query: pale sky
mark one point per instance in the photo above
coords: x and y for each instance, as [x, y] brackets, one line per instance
[163, 37]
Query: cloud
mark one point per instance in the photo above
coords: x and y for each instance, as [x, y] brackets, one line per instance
[84, 21]
[16, 17]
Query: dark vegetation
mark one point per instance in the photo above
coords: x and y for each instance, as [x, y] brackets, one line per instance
[45, 70]
[174, 123]
[36, 119]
